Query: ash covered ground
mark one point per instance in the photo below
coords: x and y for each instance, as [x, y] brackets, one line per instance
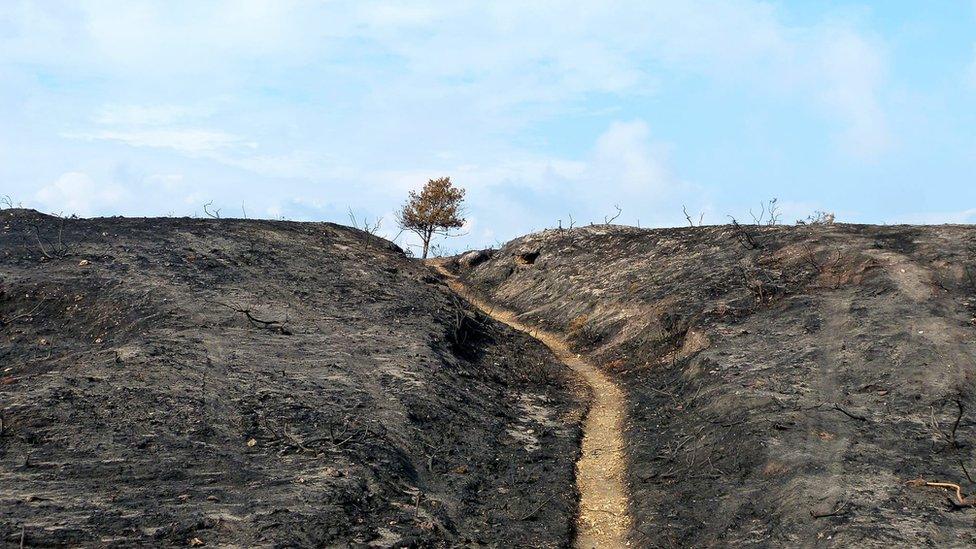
[785, 384]
[255, 383]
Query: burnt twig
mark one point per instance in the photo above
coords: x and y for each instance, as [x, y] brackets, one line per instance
[53, 250]
[838, 511]
[743, 236]
[369, 228]
[273, 325]
[951, 435]
[608, 219]
[849, 414]
[215, 213]
[535, 510]
[15, 318]
[955, 425]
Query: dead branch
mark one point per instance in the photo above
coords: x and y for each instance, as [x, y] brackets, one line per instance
[774, 214]
[768, 215]
[966, 471]
[369, 228]
[743, 236]
[608, 220]
[54, 250]
[15, 318]
[762, 214]
[839, 511]
[769, 212]
[951, 435]
[960, 500]
[691, 222]
[849, 414]
[339, 440]
[273, 325]
[214, 214]
[810, 258]
[535, 510]
[460, 316]
[955, 424]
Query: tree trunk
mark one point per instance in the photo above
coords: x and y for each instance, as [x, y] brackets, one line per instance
[426, 245]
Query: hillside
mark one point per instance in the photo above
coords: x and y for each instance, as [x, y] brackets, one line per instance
[785, 385]
[230, 382]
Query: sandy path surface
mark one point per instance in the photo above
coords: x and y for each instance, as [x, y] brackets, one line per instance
[603, 520]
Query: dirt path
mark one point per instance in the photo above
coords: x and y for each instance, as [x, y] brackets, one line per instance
[603, 520]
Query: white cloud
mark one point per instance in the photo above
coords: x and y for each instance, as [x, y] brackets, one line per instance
[190, 141]
[168, 182]
[937, 218]
[164, 126]
[625, 157]
[507, 61]
[77, 193]
[853, 74]
[142, 115]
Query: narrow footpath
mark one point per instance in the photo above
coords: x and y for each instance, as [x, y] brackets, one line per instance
[603, 517]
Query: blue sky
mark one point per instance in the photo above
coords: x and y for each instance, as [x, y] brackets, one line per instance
[541, 110]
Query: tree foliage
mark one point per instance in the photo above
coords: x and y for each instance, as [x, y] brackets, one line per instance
[435, 210]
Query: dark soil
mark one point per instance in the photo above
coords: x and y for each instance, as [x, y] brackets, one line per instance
[229, 382]
[784, 382]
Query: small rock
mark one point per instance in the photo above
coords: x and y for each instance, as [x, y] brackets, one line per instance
[196, 542]
[83, 263]
[252, 443]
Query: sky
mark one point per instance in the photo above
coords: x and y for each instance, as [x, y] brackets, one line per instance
[543, 111]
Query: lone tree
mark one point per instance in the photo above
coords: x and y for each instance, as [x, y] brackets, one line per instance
[434, 211]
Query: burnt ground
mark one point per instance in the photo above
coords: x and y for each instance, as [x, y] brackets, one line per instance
[228, 382]
[784, 383]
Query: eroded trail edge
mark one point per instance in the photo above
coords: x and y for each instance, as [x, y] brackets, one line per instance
[603, 517]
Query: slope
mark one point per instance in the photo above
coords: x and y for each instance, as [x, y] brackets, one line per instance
[254, 383]
[786, 384]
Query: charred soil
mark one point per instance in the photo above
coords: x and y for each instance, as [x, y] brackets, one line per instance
[228, 382]
[787, 385]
